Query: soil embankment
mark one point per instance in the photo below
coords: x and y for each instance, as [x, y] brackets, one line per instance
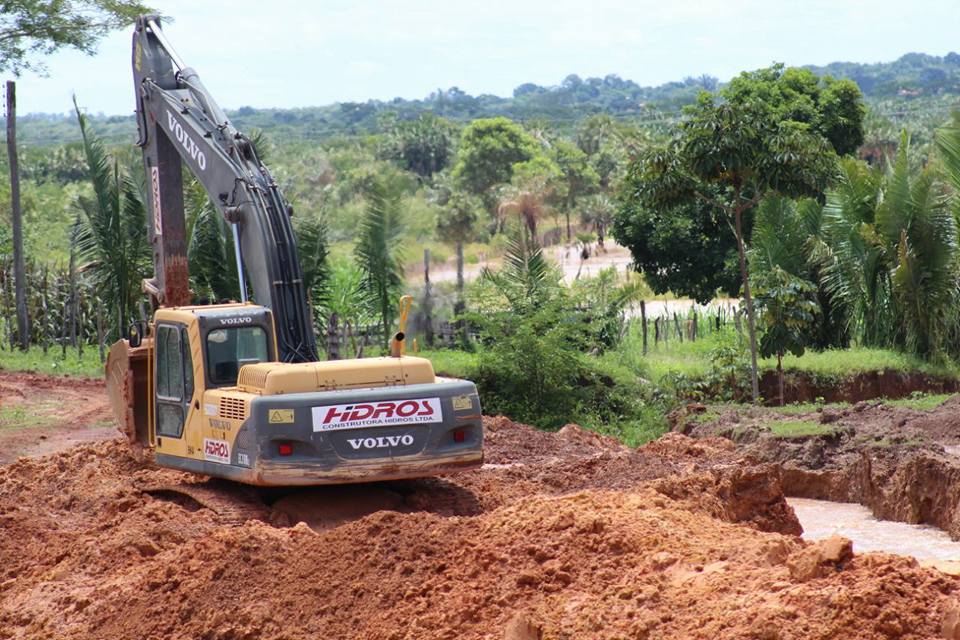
[900, 462]
[801, 386]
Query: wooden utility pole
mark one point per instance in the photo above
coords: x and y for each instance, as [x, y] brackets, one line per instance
[427, 301]
[19, 266]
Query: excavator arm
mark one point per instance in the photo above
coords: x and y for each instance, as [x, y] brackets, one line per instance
[180, 122]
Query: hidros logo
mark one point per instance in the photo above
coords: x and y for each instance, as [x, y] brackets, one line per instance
[186, 141]
[216, 451]
[375, 414]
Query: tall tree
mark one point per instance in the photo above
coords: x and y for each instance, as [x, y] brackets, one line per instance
[890, 255]
[424, 145]
[379, 256]
[578, 177]
[456, 225]
[764, 134]
[110, 234]
[16, 219]
[489, 149]
[40, 27]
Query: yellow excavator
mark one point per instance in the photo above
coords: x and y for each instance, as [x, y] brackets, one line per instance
[237, 390]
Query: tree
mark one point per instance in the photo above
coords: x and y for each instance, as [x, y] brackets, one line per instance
[379, 256]
[786, 234]
[578, 177]
[597, 211]
[423, 146]
[687, 248]
[313, 248]
[110, 234]
[762, 135]
[787, 312]
[489, 149]
[889, 255]
[29, 27]
[529, 192]
[456, 225]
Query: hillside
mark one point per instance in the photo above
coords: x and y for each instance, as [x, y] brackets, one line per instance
[897, 91]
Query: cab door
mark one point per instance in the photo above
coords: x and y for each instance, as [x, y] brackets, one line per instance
[174, 387]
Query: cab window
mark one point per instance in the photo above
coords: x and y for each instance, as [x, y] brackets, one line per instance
[169, 363]
[231, 348]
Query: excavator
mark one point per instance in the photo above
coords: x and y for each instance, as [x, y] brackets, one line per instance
[237, 391]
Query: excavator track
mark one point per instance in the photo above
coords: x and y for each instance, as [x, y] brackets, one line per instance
[234, 504]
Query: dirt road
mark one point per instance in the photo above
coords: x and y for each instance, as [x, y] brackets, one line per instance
[566, 535]
[42, 414]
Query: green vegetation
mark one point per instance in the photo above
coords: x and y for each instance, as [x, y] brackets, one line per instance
[800, 429]
[921, 401]
[54, 362]
[29, 28]
[19, 416]
[855, 266]
[772, 132]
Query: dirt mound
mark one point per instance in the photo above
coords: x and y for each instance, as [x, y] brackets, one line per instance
[566, 535]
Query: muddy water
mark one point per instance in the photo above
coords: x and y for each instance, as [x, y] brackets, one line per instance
[821, 519]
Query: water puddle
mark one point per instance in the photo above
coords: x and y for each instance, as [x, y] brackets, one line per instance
[822, 519]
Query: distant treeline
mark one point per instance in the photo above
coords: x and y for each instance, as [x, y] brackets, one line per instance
[562, 107]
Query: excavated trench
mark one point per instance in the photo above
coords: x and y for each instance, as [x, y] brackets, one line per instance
[901, 463]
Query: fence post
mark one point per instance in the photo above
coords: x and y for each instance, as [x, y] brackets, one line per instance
[643, 320]
[427, 301]
[16, 215]
[676, 325]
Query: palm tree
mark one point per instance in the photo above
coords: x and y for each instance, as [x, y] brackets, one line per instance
[313, 249]
[889, 255]
[597, 211]
[380, 257]
[110, 232]
[526, 279]
[456, 224]
[210, 250]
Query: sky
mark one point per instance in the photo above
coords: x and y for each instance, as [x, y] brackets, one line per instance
[284, 53]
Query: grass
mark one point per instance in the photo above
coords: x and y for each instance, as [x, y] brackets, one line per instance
[447, 362]
[692, 359]
[799, 408]
[799, 429]
[89, 366]
[843, 363]
[921, 402]
[22, 416]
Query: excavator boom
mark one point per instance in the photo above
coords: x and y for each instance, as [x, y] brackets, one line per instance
[179, 121]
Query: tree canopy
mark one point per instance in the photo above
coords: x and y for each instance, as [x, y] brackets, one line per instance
[31, 27]
[488, 150]
[766, 133]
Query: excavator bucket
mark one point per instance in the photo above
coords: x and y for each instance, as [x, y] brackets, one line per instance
[127, 373]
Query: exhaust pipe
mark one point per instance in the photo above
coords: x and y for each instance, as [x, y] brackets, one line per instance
[397, 344]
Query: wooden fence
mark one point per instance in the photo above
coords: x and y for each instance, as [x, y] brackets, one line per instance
[693, 324]
[64, 309]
